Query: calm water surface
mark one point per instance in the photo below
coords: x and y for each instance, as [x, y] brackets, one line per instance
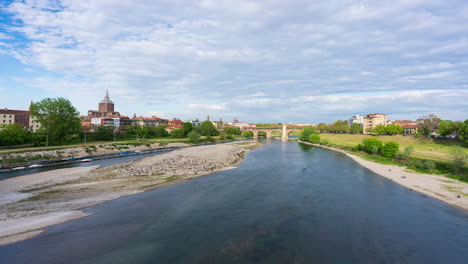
[286, 203]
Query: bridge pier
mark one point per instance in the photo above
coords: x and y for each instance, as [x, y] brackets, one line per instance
[255, 134]
[284, 135]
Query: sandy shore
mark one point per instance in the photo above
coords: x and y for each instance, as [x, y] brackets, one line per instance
[32, 202]
[436, 186]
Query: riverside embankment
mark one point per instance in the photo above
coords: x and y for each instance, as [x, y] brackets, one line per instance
[31, 202]
[437, 186]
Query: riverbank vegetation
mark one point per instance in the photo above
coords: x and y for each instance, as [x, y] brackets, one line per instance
[428, 155]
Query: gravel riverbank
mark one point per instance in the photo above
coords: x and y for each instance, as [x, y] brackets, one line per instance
[30, 203]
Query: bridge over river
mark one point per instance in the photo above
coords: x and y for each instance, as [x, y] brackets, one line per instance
[285, 130]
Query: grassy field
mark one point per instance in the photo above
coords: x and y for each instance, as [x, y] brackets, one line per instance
[425, 148]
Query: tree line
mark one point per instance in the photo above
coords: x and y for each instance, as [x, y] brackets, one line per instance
[60, 125]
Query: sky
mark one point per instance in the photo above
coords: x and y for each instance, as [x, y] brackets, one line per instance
[257, 61]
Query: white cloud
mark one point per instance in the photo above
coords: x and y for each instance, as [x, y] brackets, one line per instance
[196, 107]
[172, 57]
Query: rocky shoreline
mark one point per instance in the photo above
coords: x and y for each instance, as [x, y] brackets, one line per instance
[33, 202]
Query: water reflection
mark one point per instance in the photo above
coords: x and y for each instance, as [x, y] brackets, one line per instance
[268, 210]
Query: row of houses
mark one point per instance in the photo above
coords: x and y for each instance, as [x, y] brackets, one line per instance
[21, 117]
[371, 121]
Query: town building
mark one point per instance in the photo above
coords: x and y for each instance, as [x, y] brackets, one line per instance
[106, 108]
[356, 119]
[304, 124]
[20, 117]
[196, 123]
[34, 124]
[175, 122]
[219, 125]
[236, 123]
[169, 129]
[404, 122]
[149, 121]
[370, 121]
[409, 129]
[7, 117]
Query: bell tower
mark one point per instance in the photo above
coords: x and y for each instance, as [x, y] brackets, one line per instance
[106, 105]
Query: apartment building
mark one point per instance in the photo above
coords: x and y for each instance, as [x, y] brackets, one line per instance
[373, 120]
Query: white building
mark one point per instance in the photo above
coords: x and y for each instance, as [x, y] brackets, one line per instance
[356, 119]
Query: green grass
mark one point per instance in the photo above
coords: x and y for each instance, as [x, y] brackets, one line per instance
[424, 148]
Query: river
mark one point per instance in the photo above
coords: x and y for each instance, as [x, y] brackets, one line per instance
[286, 203]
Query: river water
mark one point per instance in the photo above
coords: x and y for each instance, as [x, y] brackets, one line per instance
[286, 203]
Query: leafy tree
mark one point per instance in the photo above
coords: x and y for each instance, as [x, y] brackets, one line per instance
[143, 131]
[379, 130]
[339, 127]
[463, 131]
[306, 132]
[393, 129]
[207, 129]
[197, 128]
[178, 133]
[429, 123]
[187, 126]
[425, 131]
[58, 118]
[160, 131]
[230, 130]
[247, 134]
[458, 156]
[368, 145]
[105, 133]
[12, 134]
[314, 138]
[356, 128]
[130, 129]
[322, 127]
[194, 137]
[447, 127]
[390, 149]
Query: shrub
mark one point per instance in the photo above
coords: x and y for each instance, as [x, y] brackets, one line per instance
[375, 149]
[314, 138]
[390, 149]
[194, 137]
[429, 165]
[408, 151]
[458, 156]
[371, 145]
[247, 134]
[306, 132]
[178, 133]
[400, 156]
[222, 136]
[210, 139]
[230, 137]
[325, 142]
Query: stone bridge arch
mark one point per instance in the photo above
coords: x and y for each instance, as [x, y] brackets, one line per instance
[284, 130]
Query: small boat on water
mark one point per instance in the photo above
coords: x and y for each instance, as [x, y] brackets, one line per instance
[86, 160]
[18, 168]
[130, 152]
[35, 166]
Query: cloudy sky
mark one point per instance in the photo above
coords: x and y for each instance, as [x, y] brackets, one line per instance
[259, 61]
